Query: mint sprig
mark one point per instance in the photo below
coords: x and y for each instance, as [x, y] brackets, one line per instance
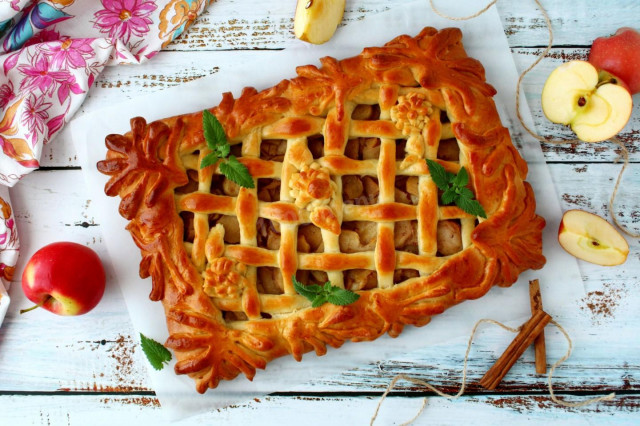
[217, 142]
[157, 354]
[318, 295]
[454, 187]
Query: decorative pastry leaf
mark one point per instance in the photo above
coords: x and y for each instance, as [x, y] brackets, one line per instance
[455, 188]
[319, 295]
[157, 354]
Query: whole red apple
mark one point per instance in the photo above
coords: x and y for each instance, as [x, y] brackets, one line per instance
[64, 278]
[619, 54]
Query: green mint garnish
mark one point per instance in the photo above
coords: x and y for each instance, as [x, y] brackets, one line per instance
[318, 295]
[217, 142]
[237, 172]
[157, 354]
[454, 187]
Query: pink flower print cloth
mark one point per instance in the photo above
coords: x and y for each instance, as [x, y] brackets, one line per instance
[51, 52]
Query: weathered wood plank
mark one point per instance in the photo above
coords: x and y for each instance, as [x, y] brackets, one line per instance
[55, 410]
[251, 25]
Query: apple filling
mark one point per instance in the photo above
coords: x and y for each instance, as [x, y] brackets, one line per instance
[269, 280]
[230, 316]
[310, 239]
[192, 184]
[360, 279]
[449, 150]
[366, 112]
[363, 149]
[220, 185]
[400, 275]
[312, 277]
[406, 190]
[448, 237]
[316, 146]
[229, 223]
[273, 149]
[268, 234]
[358, 236]
[269, 190]
[406, 236]
[360, 190]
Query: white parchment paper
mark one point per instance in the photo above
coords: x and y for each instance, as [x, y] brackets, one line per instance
[484, 39]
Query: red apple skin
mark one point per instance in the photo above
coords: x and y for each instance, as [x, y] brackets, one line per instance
[619, 54]
[64, 278]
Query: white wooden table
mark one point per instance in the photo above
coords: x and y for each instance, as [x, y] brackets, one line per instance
[88, 371]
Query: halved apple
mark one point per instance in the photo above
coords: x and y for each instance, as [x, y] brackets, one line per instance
[596, 105]
[316, 20]
[589, 237]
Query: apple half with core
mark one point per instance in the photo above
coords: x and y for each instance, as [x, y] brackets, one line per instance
[589, 237]
[64, 278]
[315, 21]
[595, 104]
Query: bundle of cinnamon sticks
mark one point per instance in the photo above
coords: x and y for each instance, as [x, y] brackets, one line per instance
[531, 332]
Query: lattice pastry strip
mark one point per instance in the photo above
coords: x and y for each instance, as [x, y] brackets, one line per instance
[342, 193]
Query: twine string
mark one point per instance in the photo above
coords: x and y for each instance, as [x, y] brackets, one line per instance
[432, 388]
[615, 140]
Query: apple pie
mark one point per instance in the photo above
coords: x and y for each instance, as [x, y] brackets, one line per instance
[342, 194]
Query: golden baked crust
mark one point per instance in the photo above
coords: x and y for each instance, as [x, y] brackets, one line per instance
[222, 257]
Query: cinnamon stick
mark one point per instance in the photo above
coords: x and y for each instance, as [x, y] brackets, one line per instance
[530, 330]
[539, 343]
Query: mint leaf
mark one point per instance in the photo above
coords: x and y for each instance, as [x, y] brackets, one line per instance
[462, 178]
[307, 291]
[440, 176]
[157, 354]
[237, 172]
[319, 300]
[222, 150]
[209, 160]
[213, 131]
[470, 206]
[455, 189]
[340, 296]
[319, 295]
[448, 196]
[466, 192]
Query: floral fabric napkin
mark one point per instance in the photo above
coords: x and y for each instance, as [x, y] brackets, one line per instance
[51, 51]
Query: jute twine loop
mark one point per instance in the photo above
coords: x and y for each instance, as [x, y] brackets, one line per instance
[553, 396]
[624, 154]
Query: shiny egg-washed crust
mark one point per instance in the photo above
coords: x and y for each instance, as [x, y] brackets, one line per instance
[147, 164]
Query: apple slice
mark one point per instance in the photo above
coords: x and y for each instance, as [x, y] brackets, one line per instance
[316, 20]
[589, 237]
[592, 103]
